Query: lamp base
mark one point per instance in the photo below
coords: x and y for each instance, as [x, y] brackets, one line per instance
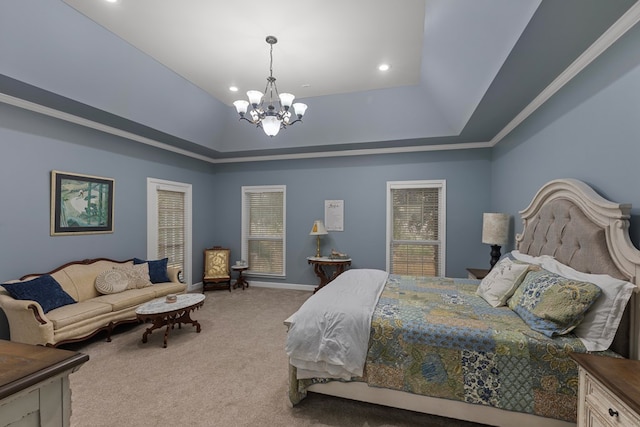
[495, 255]
[318, 255]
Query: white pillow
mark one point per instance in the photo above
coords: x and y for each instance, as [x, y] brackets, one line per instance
[535, 260]
[112, 281]
[601, 321]
[502, 281]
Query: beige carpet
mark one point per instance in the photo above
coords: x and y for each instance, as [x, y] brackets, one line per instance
[233, 373]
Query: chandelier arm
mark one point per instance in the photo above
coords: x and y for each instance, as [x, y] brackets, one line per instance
[253, 122]
[266, 88]
[295, 121]
[275, 87]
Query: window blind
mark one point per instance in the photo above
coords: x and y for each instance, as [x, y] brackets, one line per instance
[265, 231]
[171, 227]
[415, 245]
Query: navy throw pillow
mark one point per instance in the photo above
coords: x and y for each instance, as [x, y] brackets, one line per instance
[157, 269]
[45, 290]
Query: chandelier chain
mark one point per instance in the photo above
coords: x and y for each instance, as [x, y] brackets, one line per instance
[271, 61]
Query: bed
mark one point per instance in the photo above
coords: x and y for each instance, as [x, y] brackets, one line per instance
[474, 350]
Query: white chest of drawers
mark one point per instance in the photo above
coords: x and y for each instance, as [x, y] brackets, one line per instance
[34, 384]
[609, 391]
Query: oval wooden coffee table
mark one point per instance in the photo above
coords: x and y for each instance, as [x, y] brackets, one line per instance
[163, 313]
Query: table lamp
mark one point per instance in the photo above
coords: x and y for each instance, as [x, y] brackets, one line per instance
[318, 230]
[495, 232]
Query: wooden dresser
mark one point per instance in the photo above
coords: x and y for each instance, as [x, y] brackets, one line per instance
[609, 391]
[34, 384]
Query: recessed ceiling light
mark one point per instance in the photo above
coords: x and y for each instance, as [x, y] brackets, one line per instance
[233, 88]
[384, 67]
[112, 1]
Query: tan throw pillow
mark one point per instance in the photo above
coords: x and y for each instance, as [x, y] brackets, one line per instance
[112, 281]
[502, 281]
[138, 275]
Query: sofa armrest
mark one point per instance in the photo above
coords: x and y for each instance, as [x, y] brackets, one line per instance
[27, 322]
[173, 272]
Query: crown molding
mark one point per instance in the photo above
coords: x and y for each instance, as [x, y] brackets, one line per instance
[72, 118]
[609, 37]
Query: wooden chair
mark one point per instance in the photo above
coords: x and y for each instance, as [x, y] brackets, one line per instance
[217, 274]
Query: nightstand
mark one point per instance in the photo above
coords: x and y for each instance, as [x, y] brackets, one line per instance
[321, 266]
[477, 273]
[609, 391]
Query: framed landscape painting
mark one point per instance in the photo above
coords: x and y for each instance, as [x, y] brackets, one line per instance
[81, 204]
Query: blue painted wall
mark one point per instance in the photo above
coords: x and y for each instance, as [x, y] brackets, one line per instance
[590, 130]
[33, 145]
[361, 183]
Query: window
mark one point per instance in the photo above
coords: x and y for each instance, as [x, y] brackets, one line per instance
[416, 227]
[263, 229]
[169, 223]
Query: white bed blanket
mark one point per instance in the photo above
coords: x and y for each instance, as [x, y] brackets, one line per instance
[329, 335]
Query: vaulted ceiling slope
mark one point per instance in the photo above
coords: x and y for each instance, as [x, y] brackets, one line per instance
[463, 72]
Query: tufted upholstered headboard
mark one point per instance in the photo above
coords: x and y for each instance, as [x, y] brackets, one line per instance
[562, 230]
[568, 220]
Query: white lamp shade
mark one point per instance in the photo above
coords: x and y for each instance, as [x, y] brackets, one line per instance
[241, 106]
[495, 228]
[318, 228]
[255, 96]
[271, 125]
[300, 108]
[286, 99]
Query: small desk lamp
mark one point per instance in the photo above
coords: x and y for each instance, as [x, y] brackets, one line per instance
[318, 230]
[495, 232]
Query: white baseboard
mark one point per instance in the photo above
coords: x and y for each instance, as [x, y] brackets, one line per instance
[197, 287]
[293, 286]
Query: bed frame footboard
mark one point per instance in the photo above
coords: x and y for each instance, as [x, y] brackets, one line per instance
[434, 406]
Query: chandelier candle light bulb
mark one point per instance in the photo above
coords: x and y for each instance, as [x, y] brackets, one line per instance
[270, 119]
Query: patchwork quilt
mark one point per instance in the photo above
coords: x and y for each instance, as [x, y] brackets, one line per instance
[433, 336]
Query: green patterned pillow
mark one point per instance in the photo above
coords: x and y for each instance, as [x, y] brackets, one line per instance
[552, 304]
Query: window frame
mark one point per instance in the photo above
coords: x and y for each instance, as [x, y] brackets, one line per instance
[244, 249]
[419, 184]
[153, 185]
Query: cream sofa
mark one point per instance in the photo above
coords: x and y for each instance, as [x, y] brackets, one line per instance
[91, 313]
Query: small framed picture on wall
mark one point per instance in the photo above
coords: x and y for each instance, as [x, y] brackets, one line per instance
[334, 215]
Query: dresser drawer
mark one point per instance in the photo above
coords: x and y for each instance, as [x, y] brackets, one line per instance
[602, 406]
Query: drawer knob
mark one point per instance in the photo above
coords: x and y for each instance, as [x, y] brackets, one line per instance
[613, 413]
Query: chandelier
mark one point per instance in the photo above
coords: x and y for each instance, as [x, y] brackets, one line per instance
[270, 119]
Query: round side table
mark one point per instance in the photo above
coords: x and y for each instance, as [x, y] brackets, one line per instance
[240, 281]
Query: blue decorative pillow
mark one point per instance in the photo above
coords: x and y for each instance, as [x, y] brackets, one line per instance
[45, 290]
[157, 269]
[552, 304]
